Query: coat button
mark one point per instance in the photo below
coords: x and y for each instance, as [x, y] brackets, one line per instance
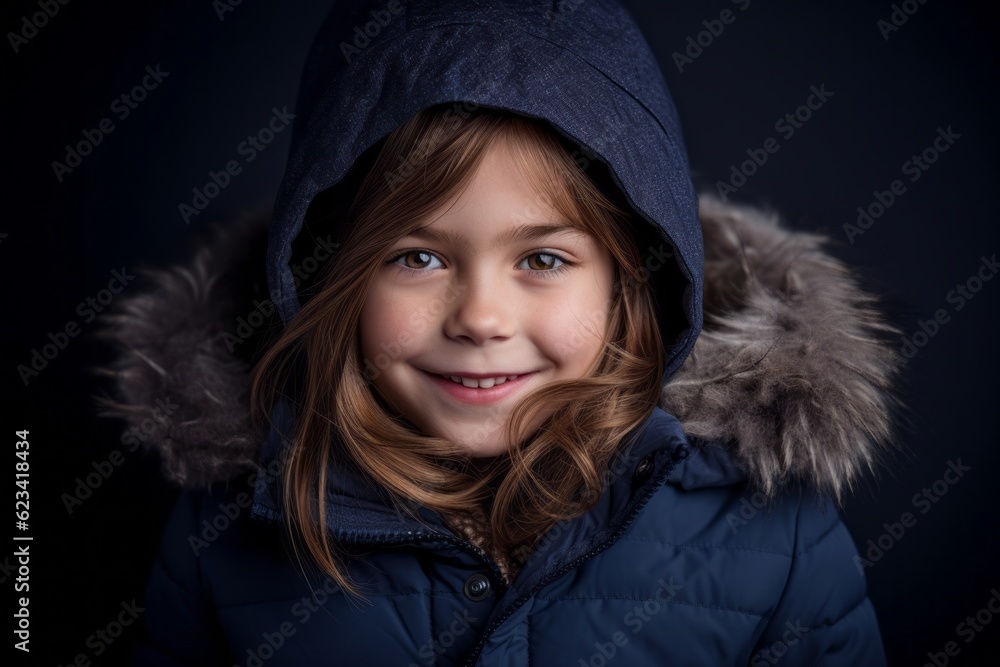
[643, 470]
[477, 587]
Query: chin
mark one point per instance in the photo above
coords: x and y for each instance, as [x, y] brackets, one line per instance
[481, 450]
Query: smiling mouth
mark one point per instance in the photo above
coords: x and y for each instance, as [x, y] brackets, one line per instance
[479, 383]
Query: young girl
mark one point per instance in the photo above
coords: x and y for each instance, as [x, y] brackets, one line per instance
[485, 433]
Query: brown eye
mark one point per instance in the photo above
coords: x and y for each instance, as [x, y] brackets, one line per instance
[542, 261]
[417, 259]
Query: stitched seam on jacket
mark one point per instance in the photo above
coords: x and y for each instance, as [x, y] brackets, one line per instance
[705, 546]
[527, 636]
[791, 566]
[688, 604]
[451, 595]
[822, 537]
[162, 564]
[853, 610]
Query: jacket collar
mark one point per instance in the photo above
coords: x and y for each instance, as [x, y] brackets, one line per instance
[358, 511]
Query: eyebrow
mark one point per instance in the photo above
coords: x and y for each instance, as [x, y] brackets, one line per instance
[518, 233]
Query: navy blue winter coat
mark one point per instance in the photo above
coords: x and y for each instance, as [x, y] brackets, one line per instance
[717, 540]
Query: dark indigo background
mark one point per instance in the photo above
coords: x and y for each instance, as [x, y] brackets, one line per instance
[120, 209]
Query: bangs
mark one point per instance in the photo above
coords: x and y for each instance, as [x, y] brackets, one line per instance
[555, 169]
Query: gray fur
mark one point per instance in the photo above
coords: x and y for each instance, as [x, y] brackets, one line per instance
[173, 354]
[792, 370]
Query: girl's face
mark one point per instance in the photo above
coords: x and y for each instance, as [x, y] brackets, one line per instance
[494, 298]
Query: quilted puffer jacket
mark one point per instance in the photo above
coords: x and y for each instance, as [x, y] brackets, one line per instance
[717, 539]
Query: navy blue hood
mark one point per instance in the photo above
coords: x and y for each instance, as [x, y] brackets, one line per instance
[583, 66]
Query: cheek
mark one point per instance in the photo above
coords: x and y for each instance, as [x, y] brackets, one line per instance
[573, 328]
[391, 323]
[380, 324]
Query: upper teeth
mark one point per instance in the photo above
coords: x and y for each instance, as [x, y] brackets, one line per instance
[484, 383]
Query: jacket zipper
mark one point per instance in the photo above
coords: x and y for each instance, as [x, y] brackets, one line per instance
[438, 537]
[410, 538]
[637, 507]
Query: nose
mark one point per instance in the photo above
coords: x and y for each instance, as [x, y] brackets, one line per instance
[482, 310]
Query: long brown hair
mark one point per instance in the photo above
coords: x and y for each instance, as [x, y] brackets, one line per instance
[316, 363]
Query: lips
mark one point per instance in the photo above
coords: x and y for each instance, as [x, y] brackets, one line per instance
[479, 388]
[480, 383]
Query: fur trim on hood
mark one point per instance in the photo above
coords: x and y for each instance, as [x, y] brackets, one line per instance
[792, 373]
